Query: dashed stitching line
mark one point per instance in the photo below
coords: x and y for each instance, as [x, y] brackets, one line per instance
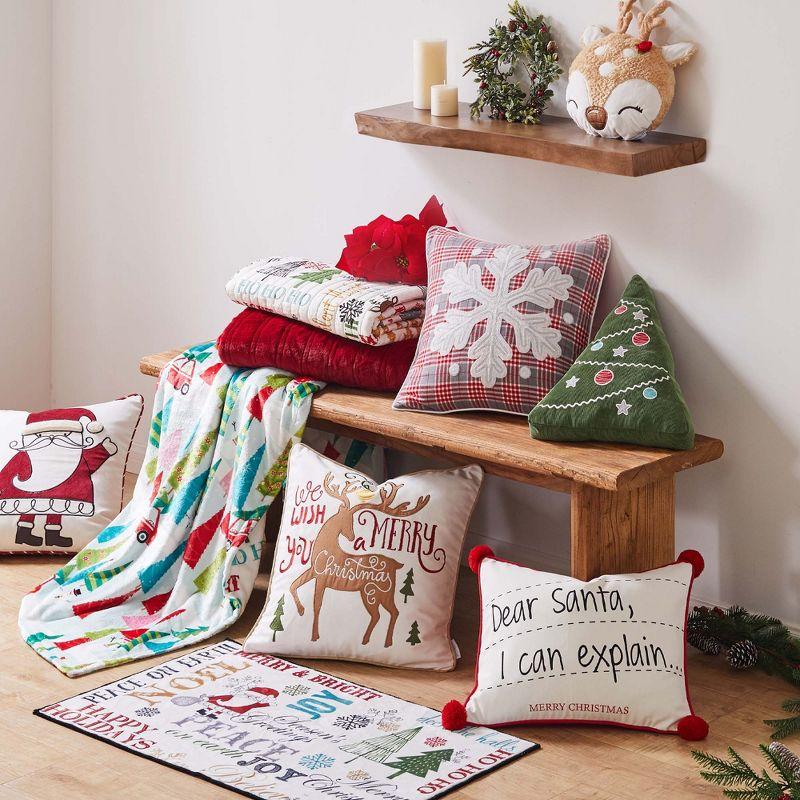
[584, 622]
[568, 580]
[676, 672]
[604, 396]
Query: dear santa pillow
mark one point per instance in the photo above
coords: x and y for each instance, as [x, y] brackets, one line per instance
[607, 651]
[62, 473]
[366, 571]
[503, 322]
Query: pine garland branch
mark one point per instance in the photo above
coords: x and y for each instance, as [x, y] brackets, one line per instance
[742, 782]
[786, 726]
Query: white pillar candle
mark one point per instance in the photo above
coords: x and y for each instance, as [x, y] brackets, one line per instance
[444, 100]
[430, 68]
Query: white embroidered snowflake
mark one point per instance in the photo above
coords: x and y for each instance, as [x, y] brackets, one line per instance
[352, 721]
[296, 689]
[389, 727]
[317, 761]
[435, 741]
[146, 712]
[532, 332]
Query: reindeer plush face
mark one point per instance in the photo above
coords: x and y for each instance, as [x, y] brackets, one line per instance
[621, 86]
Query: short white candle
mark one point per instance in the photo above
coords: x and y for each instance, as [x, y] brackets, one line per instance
[430, 68]
[444, 100]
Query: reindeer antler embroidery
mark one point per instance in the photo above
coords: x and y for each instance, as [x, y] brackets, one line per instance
[652, 19]
[387, 494]
[339, 494]
[625, 15]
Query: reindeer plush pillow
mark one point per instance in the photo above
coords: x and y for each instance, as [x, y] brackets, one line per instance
[620, 85]
[365, 571]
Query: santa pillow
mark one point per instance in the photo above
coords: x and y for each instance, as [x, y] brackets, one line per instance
[62, 473]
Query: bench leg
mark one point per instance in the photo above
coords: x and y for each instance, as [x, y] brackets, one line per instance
[626, 531]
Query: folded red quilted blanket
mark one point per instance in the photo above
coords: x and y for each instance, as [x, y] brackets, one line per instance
[257, 338]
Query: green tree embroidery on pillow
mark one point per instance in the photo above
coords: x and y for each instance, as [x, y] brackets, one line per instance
[622, 388]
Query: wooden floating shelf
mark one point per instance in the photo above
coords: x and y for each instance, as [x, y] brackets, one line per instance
[557, 140]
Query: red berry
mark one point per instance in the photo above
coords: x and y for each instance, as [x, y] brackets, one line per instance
[524, 25]
[496, 53]
[539, 92]
[533, 76]
[512, 25]
[543, 29]
[502, 115]
[484, 84]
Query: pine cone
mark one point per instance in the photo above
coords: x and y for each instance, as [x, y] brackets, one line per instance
[710, 646]
[743, 655]
[786, 757]
[707, 644]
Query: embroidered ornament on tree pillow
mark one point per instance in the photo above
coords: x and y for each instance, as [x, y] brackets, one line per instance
[607, 651]
[366, 571]
[622, 388]
[62, 473]
[502, 322]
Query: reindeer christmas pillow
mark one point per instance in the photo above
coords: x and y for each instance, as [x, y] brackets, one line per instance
[62, 473]
[366, 571]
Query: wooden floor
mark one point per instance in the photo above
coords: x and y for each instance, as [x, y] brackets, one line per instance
[43, 761]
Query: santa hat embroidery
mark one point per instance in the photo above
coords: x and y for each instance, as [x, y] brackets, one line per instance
[73, 420]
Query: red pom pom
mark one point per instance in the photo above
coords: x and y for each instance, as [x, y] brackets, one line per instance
[644, 47]
[695, 559]
[454, 716]
[477, 554]
[692, 728]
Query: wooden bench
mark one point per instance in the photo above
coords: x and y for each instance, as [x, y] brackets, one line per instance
[623, 496]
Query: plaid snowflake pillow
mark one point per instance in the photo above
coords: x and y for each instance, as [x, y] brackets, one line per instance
[502, 322]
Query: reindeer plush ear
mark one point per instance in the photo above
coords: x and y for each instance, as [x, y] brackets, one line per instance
[593, 33]
[676, 55]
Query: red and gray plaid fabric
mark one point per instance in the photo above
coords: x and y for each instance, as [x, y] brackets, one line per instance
[503, 323]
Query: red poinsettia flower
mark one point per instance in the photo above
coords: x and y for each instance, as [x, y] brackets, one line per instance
[392, 251]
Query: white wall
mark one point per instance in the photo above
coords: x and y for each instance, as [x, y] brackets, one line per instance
[25, 151]
[194, 135]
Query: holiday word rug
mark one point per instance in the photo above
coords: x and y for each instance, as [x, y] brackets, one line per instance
[267, 728]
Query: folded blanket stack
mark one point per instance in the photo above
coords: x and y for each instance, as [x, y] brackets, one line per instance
[315, 319]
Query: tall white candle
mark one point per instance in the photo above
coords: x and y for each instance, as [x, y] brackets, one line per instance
[444, 100]
[430, 68]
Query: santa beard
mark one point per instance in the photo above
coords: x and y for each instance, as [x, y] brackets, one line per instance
[51, 464]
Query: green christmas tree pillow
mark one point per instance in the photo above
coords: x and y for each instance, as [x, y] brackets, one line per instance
[622, 388]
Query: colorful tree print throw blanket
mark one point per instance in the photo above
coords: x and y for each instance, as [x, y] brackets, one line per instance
[178, 563]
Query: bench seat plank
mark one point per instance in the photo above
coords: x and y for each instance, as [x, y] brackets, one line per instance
[500, 443]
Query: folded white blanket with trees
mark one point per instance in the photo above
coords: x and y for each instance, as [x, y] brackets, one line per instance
[179, 562]
[331, 299]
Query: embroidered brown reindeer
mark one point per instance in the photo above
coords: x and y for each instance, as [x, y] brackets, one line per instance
[372, 575]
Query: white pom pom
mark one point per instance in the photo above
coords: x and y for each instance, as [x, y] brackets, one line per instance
[93, 426]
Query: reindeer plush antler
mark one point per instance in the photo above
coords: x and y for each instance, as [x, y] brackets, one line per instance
[651, 20]
[625, 15]
[620, 85]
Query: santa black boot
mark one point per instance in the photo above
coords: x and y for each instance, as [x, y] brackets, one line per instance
[25, 534]
[53, 537]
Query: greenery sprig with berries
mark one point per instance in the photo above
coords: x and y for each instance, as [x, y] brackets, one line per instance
[516, 53]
